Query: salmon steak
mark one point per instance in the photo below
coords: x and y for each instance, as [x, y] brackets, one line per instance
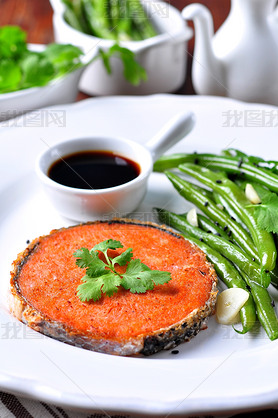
[45, 278]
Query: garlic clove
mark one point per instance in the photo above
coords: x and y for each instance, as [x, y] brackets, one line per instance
[229, 303]
[192, 217]
[252, 195]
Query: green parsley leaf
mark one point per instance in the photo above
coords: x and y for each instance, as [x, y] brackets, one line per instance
[90, 260]
[21, 68]
[266, 213]
[123, 258]
[10, 75]
[148, 278]
[12, 42]
[90, 289]
[37, 70]
[64, 58]
[111, 283]
[109, 244]
[134, 278]
[83, 256]
[134, 73]
[102, 277]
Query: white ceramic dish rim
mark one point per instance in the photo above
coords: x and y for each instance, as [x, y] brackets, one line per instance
[265, 395]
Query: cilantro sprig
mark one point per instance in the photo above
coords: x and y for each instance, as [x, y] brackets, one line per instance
[133, 72]
[266, 213]
[21, 68]
[102, 277]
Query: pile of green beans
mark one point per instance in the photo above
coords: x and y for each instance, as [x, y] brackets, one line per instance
[119, 20]
[244, 255]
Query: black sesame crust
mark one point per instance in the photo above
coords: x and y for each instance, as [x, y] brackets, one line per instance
[173, 337]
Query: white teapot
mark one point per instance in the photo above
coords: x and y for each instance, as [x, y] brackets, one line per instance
[241, 59]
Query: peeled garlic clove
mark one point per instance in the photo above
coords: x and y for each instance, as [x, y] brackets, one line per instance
[192, 217]
[252, 195]
[229, 303]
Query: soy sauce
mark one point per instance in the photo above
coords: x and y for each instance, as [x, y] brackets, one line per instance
[93, 170]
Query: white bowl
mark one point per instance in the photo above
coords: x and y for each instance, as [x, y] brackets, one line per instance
[59, 91]
[89, 204]
[164, 56]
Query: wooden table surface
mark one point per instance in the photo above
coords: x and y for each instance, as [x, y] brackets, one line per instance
[35, 17]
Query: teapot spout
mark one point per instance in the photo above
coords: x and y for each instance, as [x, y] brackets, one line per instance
[207, 69]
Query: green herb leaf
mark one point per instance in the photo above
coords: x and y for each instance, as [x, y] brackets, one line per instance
[37, 70]
[10, 75]
[21, 68]
[64, 58]
[12, 42]
[134, 278]
[111, 282]
[139, 278]
[90, 288]
[267, 213]
[90, 260]
[102, 277]
[123, 258]
[133, 71]
[109, 244]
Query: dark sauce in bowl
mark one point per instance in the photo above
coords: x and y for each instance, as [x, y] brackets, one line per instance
[93, 170]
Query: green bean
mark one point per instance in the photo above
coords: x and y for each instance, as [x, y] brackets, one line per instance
[121, 21]
[264, 194]
[98, 18]
[227, 208]
[221, 184]
[232, 165]
[264, 306]
[207, 225]
[166, 162]
[195, 195]
[233, 152]
[231, 277]
[265, 311]
[141, 20]
[258, 161]
[250, 170]
[224, 246]
[225, 202]
[73, 16]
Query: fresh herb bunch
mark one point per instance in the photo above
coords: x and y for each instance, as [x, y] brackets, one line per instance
[21, 68]
[119, 20]
[102, 277]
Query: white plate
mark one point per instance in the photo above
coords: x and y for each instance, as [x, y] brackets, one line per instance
[219, 370]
